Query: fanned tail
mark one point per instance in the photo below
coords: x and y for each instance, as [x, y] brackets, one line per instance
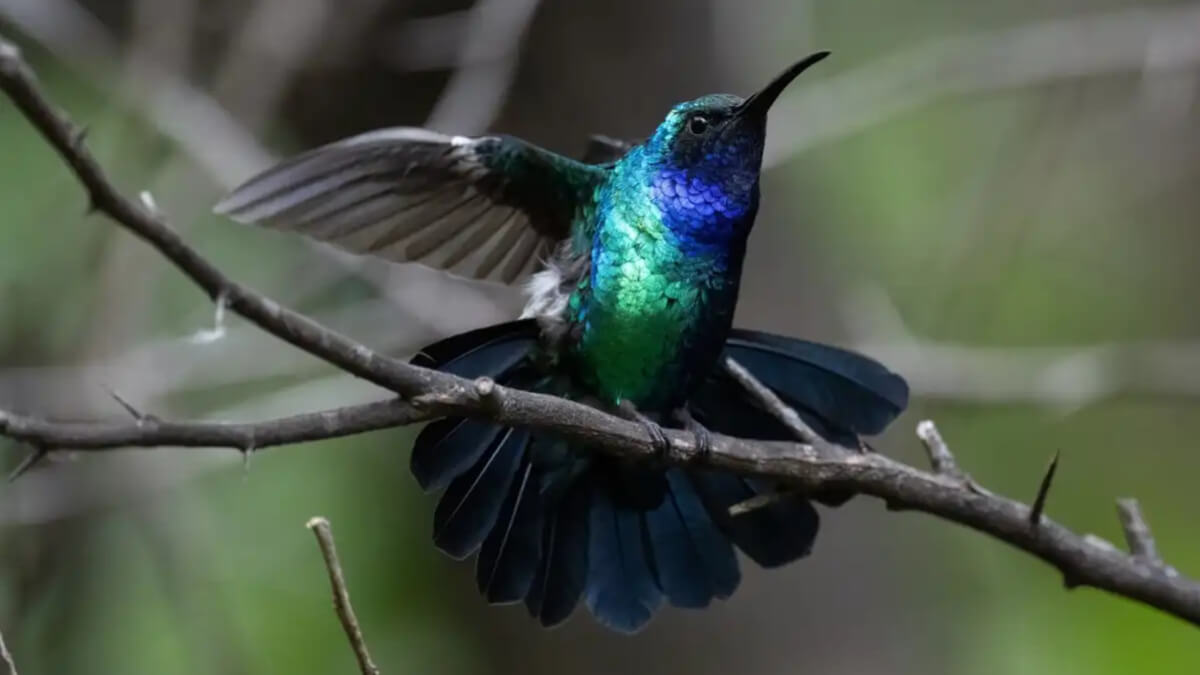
[552, 524]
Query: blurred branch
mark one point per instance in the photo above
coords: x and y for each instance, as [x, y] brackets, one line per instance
[1146, 40]
[1064, 376]
[267, 48]
[179, 111]
[1070, 376]
[7, 666]
[1083, 560]
[222, 146]
[485, 61]
[341, 595]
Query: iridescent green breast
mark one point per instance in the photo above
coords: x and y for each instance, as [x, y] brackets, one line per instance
[655, 309]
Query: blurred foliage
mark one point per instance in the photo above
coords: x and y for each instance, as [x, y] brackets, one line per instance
[1021, 218]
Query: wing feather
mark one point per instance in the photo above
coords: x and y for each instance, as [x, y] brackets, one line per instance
[408, 194]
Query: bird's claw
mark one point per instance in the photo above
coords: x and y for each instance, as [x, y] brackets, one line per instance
[704, 439]
[658, 437]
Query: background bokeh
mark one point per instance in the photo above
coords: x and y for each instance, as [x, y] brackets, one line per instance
[997, 199]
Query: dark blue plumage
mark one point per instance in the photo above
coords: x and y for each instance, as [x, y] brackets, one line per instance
[773, 535]
[621, 591]
[471, 504]
[851, 392]
[563, 573]
[447, 448]
[693, 561]
[510, 556]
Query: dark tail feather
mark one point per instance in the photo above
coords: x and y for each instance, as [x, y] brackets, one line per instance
[564, 569]
[510, 556]
[520, 504]
[621, 590]
[447, 448]
[845, 390]
[693, 560]
[839, 394]
[773, 535]
[471, 505]
[490, 351]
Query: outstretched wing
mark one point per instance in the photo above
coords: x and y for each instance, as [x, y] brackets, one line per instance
[487, 207]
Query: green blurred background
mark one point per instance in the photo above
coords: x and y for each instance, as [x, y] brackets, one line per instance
[996, 199]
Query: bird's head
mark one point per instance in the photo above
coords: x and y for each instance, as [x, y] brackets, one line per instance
[707, 154]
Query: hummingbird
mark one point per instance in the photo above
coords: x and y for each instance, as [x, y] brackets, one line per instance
[631, 261]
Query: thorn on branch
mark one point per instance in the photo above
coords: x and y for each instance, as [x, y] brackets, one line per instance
[1039, 502]
[31, 460]
[341, 595]
[137, 415]
[246, 450]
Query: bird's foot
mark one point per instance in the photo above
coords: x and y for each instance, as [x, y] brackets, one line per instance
[704, 440]
[658, 437]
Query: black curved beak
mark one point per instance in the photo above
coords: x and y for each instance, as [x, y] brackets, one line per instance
[759, 102]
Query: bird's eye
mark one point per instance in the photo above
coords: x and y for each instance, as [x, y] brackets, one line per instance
[698, 124]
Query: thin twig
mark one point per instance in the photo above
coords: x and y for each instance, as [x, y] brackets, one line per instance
[809, 468]
[940, 457]
[341, 595]
[778, 409]
[150, 432]
[1137, 532]
[756, 502]
[7, 665]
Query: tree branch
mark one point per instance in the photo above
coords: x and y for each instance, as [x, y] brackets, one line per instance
[946, 493]
[149, 432]
[341, 595]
